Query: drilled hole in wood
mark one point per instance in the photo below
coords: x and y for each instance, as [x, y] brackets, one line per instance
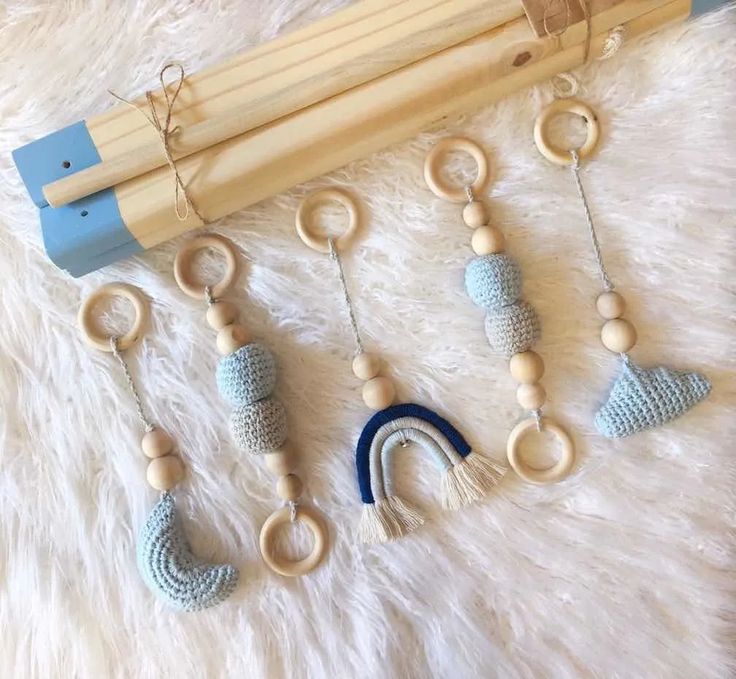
[522, 58]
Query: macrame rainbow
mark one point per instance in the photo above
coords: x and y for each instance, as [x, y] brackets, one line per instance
[466, 476]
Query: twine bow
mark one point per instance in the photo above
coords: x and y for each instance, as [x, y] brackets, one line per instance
[182, 200]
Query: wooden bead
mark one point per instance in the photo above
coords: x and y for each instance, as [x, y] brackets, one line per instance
[487, 240]
[379, 393]
[610, 305]
[366, 366]
[231, 338]
[289, 487]
[527, 367]
[221, 314]
[164, 473]
[531, 396]
[475, 214]
[281, 461]
[618, 335]
[156, 443]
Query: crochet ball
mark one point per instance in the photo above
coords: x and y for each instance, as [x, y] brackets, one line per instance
[247, 375]
[493, 281]
[512, 329]
[259, 427]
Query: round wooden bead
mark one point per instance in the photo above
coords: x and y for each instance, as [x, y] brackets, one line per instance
[281, 461]
[231, 338]
[610, 305]
[379, 393]
[221, 314]
[366, 366]
[475, 214]
[527, 367]
[289, 487]
[531, 396]
[156, 443]
[487, 240]
[164, 473]
[618, 335]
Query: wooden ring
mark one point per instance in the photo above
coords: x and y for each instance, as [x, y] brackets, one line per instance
[439, 186]
[313, 521]
[183, 261]
[563, 156]
[559, 470]
[101, 341]
[303, 228]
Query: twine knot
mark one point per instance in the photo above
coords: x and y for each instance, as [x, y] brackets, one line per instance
[182, 200]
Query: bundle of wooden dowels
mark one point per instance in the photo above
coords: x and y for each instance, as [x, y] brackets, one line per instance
[307, 103]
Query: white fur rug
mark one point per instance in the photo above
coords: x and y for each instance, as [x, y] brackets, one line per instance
[625, 570]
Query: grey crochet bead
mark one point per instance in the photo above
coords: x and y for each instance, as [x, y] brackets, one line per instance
[493, 281]
[247, 375]
[259, 427]
[512, 329]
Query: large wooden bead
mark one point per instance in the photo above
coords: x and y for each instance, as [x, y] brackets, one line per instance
[531, 396]
[610, 305]
[156, 443]
[281, 462]
[366, 366]
[231, 338]
[475, 214]
[379, 393]
[618, 335]
[289, 487]
[164, 473]
[221, 314]
[487, 240]
[527, 367]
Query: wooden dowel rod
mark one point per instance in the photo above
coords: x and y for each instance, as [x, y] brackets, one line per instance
[349, 48]
[325, 136]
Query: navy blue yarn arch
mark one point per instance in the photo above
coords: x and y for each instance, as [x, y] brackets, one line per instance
[363, 449]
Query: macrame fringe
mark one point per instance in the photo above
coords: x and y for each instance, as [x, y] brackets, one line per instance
[469, 481]
[387, 519]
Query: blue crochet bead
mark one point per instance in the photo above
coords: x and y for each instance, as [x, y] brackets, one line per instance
[247, 375]
[512, 329]
[643, 398]
[260, 427]
[493, 281]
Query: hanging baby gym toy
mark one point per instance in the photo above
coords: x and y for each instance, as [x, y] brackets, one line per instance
[246, 377]
[164, 557]
[640, 397]
[493, 281]
[466, 475]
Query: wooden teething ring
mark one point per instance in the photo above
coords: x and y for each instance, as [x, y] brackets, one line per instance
[280, 517]
[303, 213]
[559, 470]
[101, 341]
[541, 137]
[439, 186]
[183, 261]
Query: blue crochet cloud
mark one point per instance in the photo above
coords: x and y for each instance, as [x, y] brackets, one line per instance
[172, 571]
[643, 398]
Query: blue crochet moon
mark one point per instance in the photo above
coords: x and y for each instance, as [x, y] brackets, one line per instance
[171, 570]
[642, 398]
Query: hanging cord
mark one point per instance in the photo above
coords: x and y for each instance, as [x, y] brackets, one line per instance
[575, 169]
[208, 296]
[131, 385]
[346, 295]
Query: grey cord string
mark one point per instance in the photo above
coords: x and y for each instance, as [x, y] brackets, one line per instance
[575, 169]
[208, 296]
[131, 385]
[346, 295]
[292, 510]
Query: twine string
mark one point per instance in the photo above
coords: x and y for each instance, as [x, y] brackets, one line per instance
[182, 200]
[575, 169]
[335, 257]
[131, 385]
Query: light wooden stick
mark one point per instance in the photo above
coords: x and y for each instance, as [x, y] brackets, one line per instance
[349, 48]
[323, 137]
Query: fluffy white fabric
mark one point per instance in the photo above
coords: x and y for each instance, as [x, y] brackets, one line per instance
[624, 570]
